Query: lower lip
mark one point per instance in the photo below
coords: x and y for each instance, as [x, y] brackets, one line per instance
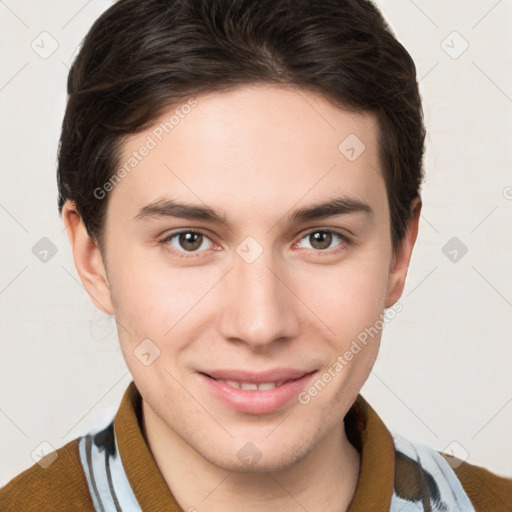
[256, 401]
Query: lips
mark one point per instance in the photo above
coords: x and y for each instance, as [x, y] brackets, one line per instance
[222, 384]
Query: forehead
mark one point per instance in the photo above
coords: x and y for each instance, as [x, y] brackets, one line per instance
[258, 148]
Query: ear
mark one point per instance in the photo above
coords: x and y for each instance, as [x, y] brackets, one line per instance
[400, 262]
[88, 259]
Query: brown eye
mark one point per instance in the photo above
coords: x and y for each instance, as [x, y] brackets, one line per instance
[323, 239]
[190, 241]
[184, 242]
[320, 239]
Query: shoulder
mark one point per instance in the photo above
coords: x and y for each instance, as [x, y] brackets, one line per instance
[57, 483]
[486, 490]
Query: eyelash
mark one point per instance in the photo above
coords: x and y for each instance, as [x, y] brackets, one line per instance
[343, 246]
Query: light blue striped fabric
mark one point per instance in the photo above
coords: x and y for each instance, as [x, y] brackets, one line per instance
[111, 491]
[445, 492]
[108, 484]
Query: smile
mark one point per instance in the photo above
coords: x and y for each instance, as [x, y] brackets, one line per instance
[255, 397]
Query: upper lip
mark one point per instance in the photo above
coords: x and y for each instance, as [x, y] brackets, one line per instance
[275, 375]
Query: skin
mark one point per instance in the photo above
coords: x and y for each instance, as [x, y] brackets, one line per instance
[255, 154]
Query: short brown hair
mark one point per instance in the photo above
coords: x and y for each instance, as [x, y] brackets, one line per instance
[141, 57]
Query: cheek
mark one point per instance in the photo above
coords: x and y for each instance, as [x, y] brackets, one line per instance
[151, 299]
[347, 297]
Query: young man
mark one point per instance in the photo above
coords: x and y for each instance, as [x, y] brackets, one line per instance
[240, 183]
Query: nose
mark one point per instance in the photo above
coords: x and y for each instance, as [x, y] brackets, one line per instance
[258, 306]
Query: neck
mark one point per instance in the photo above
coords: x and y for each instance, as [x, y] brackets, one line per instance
[324, 479]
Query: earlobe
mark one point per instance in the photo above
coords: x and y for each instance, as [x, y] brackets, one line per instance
[402, 258]
[88, 259]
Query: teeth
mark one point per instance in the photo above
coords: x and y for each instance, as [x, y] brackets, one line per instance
[267, 385]
[264, 386]
[248, 386]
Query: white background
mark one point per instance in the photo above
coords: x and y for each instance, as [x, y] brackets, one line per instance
[444, 370]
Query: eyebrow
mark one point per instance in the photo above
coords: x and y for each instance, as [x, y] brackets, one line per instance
[169, 208]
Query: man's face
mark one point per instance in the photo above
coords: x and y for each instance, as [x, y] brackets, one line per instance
[263, 291]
